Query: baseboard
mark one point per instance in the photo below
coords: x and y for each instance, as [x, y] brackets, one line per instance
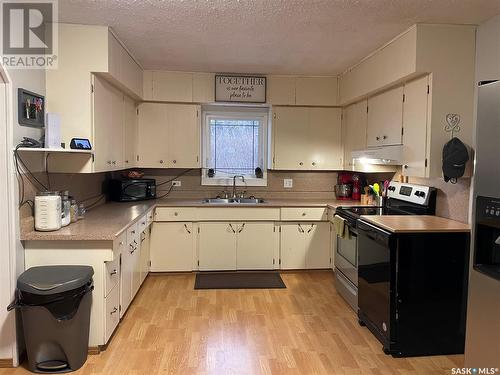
[6, 363]
[94, 350]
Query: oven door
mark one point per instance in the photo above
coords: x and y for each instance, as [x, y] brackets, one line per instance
[374, 287]
[346, 256]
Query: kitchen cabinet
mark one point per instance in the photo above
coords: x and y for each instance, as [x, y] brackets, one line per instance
[256, 244]
[172, 247]
[169, 135]
[129, 266]
[280, 90]
[310, 91]
[305, 245]
[237, 245]
[130, 130]
[203, 87]
[316, 91]
[108, 126]
[354, 123]
[385, 118]
[172, 86]
[145, 254]
[415, 121]
[307, 138]
[217, 246]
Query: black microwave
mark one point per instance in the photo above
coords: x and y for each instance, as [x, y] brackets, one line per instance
[123, 190]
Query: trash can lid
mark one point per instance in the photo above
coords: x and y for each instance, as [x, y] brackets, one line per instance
[47, 280]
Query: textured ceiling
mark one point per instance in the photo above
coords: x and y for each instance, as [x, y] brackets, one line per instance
[265, 36]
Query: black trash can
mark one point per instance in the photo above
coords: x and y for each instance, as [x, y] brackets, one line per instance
[55, 307]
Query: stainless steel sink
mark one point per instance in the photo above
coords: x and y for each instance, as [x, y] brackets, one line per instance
[233, 201]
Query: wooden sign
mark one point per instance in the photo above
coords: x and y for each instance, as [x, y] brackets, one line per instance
[246, 89]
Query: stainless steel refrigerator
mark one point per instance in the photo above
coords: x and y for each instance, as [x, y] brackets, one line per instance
[483, 319]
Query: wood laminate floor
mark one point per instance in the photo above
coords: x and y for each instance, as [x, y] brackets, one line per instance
[304, 329]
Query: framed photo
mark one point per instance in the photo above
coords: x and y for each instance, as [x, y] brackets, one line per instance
[31, 108]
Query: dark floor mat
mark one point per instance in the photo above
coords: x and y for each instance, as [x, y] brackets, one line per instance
[239, 280]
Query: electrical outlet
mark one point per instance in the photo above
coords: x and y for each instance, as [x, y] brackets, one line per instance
[288, 183]
[176, 183]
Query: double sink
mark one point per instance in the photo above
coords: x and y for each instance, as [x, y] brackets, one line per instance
[233, 201]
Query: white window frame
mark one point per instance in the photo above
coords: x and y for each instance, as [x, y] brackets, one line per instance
[235, 112]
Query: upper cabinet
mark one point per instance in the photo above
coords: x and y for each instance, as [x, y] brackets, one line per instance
[445, 55]
[307, 138]
[169, 135]
[306, 91]
[354, 122]
[181, 87]
[385, 118]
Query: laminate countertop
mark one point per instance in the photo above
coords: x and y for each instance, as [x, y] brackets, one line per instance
[108, 221]
[416, 224]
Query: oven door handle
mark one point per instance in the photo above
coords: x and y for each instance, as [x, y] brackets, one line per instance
[374, 228]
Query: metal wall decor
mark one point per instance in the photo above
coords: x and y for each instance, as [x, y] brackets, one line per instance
[452, 124]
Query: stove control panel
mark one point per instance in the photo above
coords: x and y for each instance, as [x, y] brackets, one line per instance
[487, 207]
[409, 192]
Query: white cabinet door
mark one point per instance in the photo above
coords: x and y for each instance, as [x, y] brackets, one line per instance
[293, 246]
[317, 91]
[172, 247]
[281, 90]
[217, 246]
[385, 118]
[256, 245]
[127, 272]
[130, 133]
[291, 138]
[115, 141]
[318, 245]
[153, 135]
[103, 124]
[172, 86]
[145, 253]
[112, 312]
[325, 139]
[183, 140]
[136, 270]
[415, 117]
[354, 121]
[203, 87]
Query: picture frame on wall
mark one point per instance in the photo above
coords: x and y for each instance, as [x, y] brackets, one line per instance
[31, 108]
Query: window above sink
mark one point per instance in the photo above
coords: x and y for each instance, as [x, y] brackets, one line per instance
[234, 140]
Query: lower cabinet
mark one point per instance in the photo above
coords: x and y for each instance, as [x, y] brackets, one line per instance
[217, 246]
[172, 247]
[112, 312]
[305, 245]
[237, 246]
[145, 253]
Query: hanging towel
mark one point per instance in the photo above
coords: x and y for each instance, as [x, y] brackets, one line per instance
[340, 227]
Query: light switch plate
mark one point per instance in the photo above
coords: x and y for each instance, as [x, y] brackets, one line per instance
[288, 183]
[176, 183]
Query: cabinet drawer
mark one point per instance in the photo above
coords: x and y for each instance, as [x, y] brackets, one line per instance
[142, 223]
[175, 214]
[133, 234]
[112, 312]
[149, 217]
[112, 275]
[238, 214]
[119, 244]
[304, 214]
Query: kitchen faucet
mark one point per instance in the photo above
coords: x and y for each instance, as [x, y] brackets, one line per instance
[234, 184]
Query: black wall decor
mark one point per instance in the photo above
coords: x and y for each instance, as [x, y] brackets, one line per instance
[31, 108]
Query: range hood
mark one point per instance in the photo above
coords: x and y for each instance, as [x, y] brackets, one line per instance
[378, 159]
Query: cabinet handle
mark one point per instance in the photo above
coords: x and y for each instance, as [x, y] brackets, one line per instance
[231, 226]
[384, 137]
[406, 166]
[115, 310]
[304, 214]
[174, 161]
[313, 163]
[143, 223]
[176, 214]
[114, 161]
[187, 229]
[109, 162]
[300, 163]
[301, 230]
[378, 138]
[310, 229]
[126, 161]
[114, 272]
[121, 243]
[161, 161]
[242, 227]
